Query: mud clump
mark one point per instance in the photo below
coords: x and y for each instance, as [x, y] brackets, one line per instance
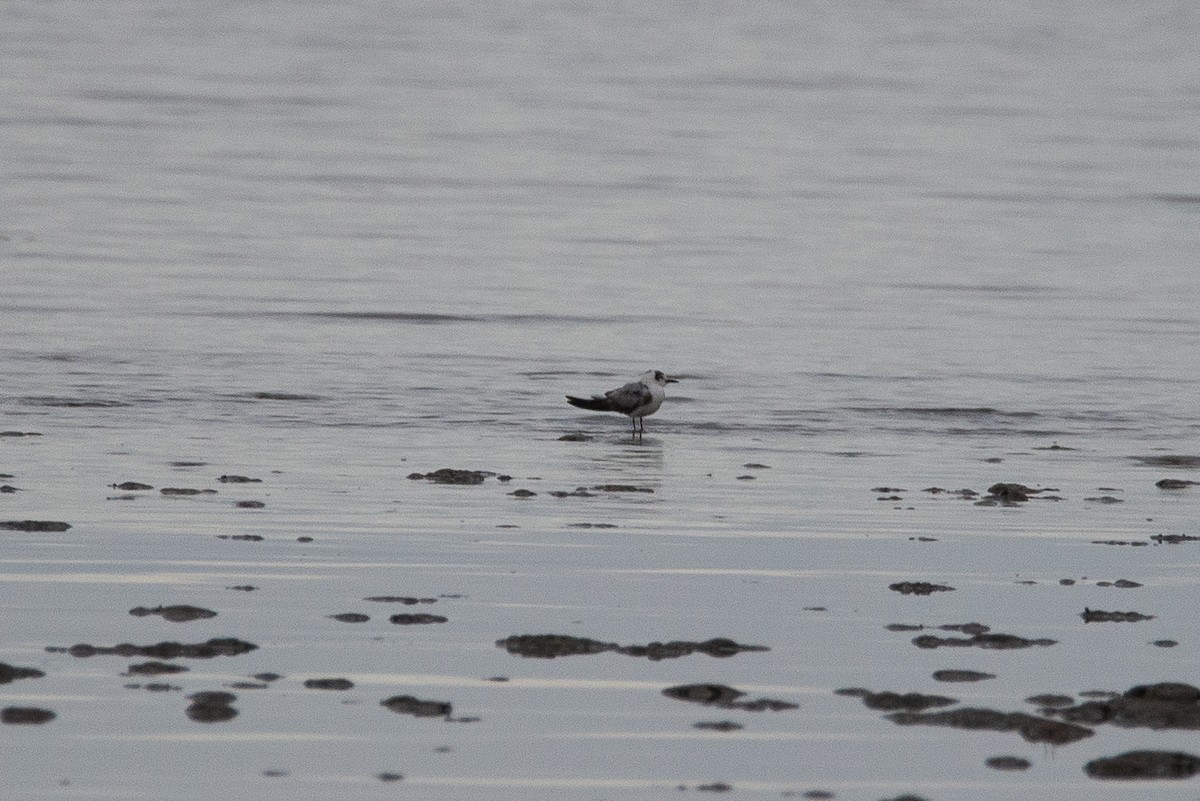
[218, 646]
[621, 488]
[178, 613]
[1144, 765]
[238, 480]
[961, 675]
[551, 646]
[21, 715]
[1030, 727]
[1007, 763]
[1168, 460]
[410, 705]
[891, 701]
[918, 588]
[1100, 616]
[329, 684]
[419, 619]
[1167, 705]
[449, 475]
[1173, 539]
[351, 617]
[1009, 494]
[718, 725]
[988, 640]
[34, 525]
[725, 697]
[407, 600]
[211, 707]
[132, 486]
[1175, 483]
[11, 673]
[578, 492]
[154, 668]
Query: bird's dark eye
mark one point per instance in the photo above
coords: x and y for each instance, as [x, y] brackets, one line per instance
[658, 375]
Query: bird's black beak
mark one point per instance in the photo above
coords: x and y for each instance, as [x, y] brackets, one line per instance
[672, 381]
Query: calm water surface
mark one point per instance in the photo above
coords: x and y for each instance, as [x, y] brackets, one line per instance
[890, 245]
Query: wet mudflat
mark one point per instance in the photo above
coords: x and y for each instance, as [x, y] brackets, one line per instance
[825, 654]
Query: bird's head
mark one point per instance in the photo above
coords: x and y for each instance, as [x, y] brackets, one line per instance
[658, 377]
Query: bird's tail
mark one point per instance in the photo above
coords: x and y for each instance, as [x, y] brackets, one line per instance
[594, 404]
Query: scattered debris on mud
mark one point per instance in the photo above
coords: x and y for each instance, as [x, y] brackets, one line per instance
[550, 646]
[1007, 763]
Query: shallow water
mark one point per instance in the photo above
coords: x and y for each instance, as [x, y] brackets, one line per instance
[327, 247]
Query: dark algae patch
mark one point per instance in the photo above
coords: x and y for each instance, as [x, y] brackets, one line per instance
[450, 475]
[411, 705]
[11, 673]
[1007, 763]
[1137, 765]
[1100, 616]
[725, 697]
[154, 668]
[1032, 728]
[961, 675]
[329, 684]
[212, 706]
[1166, 705]
[22, 715]
[986, 640]
[888, 701]
[417, 619]
[918, 588]
[34, 525]
[177, 613]
[219, 646]
[132, 486]
[551, 646]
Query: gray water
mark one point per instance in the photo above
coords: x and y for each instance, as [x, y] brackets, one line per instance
[327, 245]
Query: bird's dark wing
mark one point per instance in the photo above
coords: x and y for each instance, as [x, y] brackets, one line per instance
[628, 397]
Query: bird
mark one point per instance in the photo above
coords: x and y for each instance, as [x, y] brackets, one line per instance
[636, 399]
